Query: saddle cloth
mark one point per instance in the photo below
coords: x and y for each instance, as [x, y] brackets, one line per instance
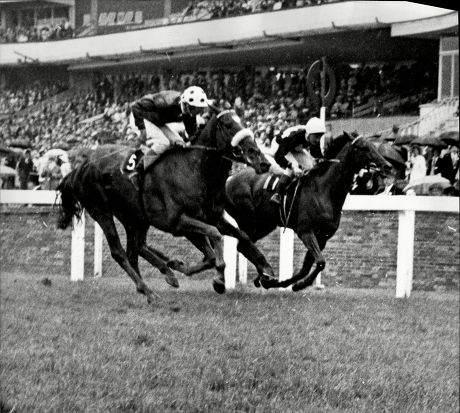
[131, 160]
[271, 182]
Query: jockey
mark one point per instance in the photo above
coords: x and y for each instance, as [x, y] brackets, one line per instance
[150, 116]
[295, 139]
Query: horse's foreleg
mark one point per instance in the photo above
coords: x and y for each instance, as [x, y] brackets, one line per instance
[302, 273]
[107, 225]
[315, 247]
[250, 251]
[156, 259]
[192, 227]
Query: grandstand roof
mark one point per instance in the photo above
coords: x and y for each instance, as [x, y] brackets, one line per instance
[428, 28]
[351, 31]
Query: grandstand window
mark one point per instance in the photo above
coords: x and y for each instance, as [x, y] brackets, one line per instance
[129, 16]
[121, 17]
[449, 44]
[138, 17]
[111, 18]
[102, 19]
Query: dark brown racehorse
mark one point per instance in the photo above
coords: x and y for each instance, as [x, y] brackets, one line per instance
[314, 210]
[183, 194]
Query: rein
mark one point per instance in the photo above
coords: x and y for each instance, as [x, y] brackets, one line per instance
[285, 222]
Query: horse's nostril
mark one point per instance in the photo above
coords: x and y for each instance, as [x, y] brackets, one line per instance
[265, 166]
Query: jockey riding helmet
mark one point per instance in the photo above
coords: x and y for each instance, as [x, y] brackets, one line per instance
[315, 125]
[194, 97]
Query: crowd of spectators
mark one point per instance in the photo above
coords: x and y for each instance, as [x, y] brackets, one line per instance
[208, 9]
[268, 100]
[219, 8]
[22, 33]
[14, 100]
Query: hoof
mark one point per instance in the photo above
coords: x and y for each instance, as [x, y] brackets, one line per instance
[257, 282]
[177, 265]
[298, 287]
[268, 282]
[172, 281]
[218, 285]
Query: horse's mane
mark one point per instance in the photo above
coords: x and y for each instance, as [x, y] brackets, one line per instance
[333, 150]
[337, 145]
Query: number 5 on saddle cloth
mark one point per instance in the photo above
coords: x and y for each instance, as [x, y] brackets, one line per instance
[131, 161]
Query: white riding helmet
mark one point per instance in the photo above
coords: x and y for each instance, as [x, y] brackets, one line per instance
[194, 96]
[315, 125]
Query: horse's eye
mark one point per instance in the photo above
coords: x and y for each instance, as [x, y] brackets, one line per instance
[252, 152]
[237, 151]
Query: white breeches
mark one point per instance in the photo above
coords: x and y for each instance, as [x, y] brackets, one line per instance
[159, 138]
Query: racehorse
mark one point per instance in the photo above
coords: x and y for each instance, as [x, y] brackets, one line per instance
[313, 203]
[183, 193]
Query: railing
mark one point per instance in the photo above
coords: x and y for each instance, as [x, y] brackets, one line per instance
[431, 120]
[405, 205]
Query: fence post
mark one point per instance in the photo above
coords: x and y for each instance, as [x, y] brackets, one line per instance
[286, 266]
[97, 250]
[77, 258]
[230, 255]
[405, 260]
[242, 269]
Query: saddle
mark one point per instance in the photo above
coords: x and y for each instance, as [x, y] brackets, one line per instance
[270, 185]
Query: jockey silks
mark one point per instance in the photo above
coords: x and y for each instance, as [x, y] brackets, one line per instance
[162, 108]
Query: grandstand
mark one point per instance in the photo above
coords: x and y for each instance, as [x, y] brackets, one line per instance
[389, 63]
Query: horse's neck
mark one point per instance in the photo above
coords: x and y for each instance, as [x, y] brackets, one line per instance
[207, 137]
[338, 180]
[216, 169]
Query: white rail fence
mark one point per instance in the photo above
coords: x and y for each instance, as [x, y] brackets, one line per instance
[405, 205]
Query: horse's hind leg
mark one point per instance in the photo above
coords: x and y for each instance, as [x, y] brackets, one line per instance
[105, 220]
[204, 245]
[156, 259]
[250, 251]
[174, 264]
[193, 227]
[315, 246]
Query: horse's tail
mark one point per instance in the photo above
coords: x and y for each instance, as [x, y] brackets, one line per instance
[69, 207]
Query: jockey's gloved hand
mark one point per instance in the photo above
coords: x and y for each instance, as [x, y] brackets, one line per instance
[179, 144]
[297, 171]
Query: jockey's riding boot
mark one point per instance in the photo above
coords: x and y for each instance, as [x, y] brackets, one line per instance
[137, 174]
[280, 189]
[276, 198]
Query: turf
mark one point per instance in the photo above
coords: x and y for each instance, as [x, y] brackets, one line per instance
[96, 346]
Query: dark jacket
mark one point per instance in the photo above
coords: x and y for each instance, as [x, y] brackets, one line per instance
[161, 108]
[288, 143]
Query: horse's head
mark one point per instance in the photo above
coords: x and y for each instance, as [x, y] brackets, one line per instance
[225, 132]
[365, 154]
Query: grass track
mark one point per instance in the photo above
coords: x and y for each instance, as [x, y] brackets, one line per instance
[96, 346]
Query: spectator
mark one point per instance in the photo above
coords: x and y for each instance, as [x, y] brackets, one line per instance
[24, 168]
[417, 164]
[434, 163]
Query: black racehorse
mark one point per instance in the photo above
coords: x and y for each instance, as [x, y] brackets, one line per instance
[313, 204]
[183, 193]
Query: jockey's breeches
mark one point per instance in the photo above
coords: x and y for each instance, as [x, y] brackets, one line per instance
[160, 138]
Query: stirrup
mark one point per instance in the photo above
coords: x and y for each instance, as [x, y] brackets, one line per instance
[276, 198]
[135, 179]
